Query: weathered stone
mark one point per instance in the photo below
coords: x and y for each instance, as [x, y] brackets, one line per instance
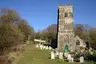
[56, 54]
[37, 46]
[41, 46]
[72, 59]
[81, 59]
[69, 57]
[61, 55]
[52, 55]
[66, 29]
[65, 26]
[66, 54]
[46, 47]
[49, 48]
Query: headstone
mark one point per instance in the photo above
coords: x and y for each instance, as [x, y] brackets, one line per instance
[52, 55]
[61, 55]
[37, 46]
[91, 52]
[66, 54]
[44, 47]
[50, 48]
[81, 59]
[72, 59]
[41, 46]
[56, 54]
[69, 58]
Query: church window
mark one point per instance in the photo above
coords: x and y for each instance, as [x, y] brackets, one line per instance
[66, 15]
[77, 42]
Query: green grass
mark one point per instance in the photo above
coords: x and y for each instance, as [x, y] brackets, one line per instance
[37, 56]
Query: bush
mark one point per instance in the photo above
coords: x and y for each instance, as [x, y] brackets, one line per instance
[9, 37]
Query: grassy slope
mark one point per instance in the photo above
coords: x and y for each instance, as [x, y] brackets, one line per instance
[36, 56]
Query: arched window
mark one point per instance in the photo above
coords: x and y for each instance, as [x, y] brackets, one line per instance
[77, 42]
[66, 14]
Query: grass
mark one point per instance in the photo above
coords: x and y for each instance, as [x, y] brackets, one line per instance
[37, 56]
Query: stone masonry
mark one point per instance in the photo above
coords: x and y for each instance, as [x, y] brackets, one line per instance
[65, 27]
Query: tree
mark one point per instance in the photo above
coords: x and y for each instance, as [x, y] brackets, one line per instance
[26, 29]
[8, 16]
[79, 30]
[13, 29]
[48, 33]
[10, 36]
[92, 40]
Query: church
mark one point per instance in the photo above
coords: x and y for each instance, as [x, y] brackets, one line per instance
[65, 29]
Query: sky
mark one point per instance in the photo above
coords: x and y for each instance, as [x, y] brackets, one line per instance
[42, 13]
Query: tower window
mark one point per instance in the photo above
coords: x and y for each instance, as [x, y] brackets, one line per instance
[66, 15]
[77, 42]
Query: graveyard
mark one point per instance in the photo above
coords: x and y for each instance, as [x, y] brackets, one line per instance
[35, 55]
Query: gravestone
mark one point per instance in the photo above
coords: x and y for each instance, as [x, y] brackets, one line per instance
[81, 59]
[49, 48]
[69, 58]
[41, 46]
[72, 59]
[37, 46]
[66, 54]
[61, 55]
[56, 54]
[46, 47]
[52, 55]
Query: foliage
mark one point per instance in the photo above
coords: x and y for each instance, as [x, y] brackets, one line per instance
[92, 38]
[13, 29]
[48, 33]
[87, 33]
[84, 31]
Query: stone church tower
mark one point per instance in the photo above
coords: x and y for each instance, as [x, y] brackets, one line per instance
[65, 25]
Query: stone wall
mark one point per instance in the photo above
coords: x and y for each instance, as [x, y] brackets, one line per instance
[65, 30]
[65, 26]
